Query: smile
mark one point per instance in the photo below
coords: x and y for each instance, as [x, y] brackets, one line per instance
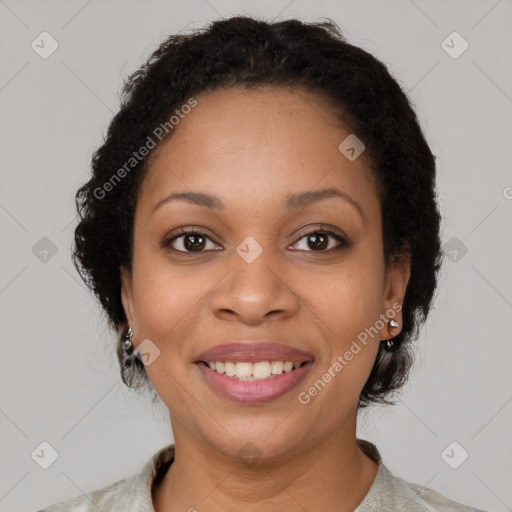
[258, 382]
[253, 371]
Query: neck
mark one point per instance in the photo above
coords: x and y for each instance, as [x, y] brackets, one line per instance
[333, 474]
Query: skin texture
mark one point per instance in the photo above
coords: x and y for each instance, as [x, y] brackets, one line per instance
[251, 148]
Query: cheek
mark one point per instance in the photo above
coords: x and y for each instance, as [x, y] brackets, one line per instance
[162, 294]
[348, 302]
[348, 299]
[346, 313]
[165, 305]
[158, 304]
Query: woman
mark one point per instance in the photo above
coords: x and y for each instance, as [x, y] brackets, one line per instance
[261, 228]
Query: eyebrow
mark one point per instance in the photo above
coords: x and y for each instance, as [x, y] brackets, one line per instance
[292, 201]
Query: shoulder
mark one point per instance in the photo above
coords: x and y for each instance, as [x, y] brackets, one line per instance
[114, 497]
[132, 493]
[390, 492]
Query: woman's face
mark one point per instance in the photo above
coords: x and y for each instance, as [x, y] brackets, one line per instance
[254, 273]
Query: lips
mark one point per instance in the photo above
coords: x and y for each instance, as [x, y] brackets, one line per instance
[253, 352]
[255, 392]
[261, 390]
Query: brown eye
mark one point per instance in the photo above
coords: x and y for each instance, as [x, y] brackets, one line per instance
[194, 241]
[319, 241]
[188, 241]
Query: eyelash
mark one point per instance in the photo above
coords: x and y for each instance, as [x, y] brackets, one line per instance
[344, 243]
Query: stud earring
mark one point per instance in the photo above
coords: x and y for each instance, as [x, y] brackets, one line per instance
[390, 344]
[127, 341]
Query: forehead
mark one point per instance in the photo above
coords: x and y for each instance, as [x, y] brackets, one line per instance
[256, 145]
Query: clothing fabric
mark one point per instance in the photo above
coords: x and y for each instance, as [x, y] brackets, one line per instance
[133, 494]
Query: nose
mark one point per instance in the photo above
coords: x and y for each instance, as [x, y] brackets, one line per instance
[253, 291]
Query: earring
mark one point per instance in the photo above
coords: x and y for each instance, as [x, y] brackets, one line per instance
[390, 345]
[127, 341]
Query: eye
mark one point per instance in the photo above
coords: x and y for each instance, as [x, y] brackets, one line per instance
[188, 241]
[319, 239]
[196, 241]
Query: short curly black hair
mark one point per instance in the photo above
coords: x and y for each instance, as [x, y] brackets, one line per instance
[242, 51]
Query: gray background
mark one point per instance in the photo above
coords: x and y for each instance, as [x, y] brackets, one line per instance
[59, 379]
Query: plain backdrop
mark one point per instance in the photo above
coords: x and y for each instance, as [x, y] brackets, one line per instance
[59, 378]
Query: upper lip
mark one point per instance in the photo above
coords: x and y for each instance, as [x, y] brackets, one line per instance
[253, 352]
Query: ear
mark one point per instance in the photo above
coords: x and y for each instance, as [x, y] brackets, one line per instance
[127, 296]
[394, 292]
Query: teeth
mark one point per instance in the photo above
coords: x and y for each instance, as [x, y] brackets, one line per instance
[252, 371]
[244, 370]
[288, 366]
[261, 370]
[276, 367]
[230, 369]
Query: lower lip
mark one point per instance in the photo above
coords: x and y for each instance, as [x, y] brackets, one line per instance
[255, 391]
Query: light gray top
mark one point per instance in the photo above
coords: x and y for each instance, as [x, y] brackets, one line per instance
[133, 494]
